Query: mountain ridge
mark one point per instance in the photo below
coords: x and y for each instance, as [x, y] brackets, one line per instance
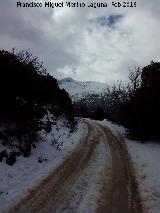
[81, 89]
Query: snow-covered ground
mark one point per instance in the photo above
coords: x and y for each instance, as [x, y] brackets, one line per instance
[146, 157]
[84, 193]
[17, 180]
[78, 90]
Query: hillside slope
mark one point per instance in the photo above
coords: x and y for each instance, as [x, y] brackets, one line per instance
[79, 90]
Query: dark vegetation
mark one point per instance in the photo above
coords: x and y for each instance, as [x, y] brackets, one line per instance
[27, 94]
[135, 105]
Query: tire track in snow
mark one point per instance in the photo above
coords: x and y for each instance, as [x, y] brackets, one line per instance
[122, 195]
[55, 192]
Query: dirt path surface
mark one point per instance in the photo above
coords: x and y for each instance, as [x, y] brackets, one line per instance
[96, 177]
[122, 195]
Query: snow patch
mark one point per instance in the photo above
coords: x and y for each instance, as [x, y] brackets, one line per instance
[26, 173]
[146, 158]
[78, 90]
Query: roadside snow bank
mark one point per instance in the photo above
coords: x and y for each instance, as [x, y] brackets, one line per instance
[26, 173]
[146, 157]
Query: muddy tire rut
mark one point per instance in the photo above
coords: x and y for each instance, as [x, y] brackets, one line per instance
[98, 176]
[53, 191]
[122, 195]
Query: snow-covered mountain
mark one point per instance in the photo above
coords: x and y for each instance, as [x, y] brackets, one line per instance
[78, 89]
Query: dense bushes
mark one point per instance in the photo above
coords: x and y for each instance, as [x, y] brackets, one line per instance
[143, 108]
[136, 104]
[26, 90]
[27, 93]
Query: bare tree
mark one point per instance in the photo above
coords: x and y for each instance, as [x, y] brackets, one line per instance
[135, 78]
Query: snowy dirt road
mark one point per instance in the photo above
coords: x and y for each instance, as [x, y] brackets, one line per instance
[97, 177]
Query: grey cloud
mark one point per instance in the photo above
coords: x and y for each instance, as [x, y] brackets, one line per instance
[71, 43]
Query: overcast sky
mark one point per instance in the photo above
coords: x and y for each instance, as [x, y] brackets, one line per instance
[84, 43]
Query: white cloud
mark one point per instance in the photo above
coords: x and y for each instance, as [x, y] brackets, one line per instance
[71, 42]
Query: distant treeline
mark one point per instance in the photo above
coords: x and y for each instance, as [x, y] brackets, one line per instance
[27, 94]
[136, 105]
